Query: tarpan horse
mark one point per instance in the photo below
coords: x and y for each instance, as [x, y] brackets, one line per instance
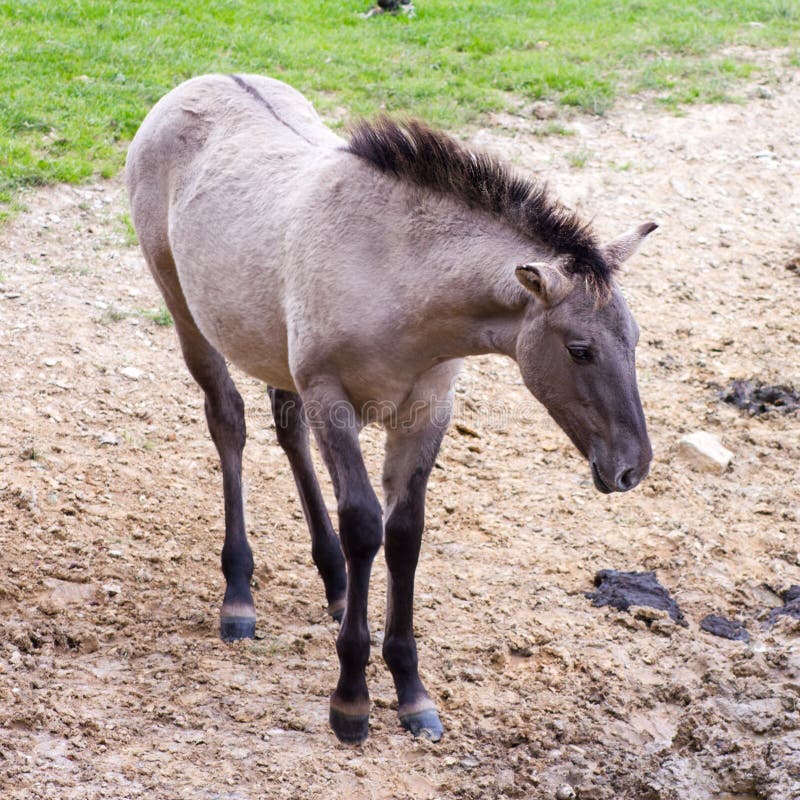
[355, 275]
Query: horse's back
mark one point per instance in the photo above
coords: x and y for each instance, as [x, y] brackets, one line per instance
[215, 175]
[291, 108]
[211, 117]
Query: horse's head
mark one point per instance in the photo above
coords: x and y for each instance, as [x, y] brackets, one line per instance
[576, 352]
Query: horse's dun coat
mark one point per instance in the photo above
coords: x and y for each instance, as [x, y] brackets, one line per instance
[353, 277]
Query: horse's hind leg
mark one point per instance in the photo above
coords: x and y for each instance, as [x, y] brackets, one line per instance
[225, 416]
[292, 431]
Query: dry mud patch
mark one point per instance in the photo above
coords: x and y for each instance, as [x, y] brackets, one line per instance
[112, 681]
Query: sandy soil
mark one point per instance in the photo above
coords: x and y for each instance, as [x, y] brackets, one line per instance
[113, 683]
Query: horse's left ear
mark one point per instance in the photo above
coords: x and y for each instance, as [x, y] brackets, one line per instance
[543, 281]
[623, 247]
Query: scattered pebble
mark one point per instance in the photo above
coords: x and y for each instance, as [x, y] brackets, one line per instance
[565, 792]
[132, 373]
[681, 189]
[473, 673]
[108, 438]
[705, 452]
[465, 430]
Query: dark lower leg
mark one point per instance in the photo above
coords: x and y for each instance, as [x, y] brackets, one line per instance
[361, 533]
[409, 460]
[225, 415]
[403, 538]
[292, 433]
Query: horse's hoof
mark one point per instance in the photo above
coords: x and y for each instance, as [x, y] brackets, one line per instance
[350, 729]
[336, 610]
[423, 724]
[233, 628]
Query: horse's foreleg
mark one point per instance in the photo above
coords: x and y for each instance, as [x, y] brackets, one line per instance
[409, 460]
[361, 533]
[292, 431]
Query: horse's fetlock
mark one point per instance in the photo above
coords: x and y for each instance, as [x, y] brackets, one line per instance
[400, 654]
[352, 645]
[237, 563]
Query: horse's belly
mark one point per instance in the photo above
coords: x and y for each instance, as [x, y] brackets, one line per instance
[267, 366]
[261, 354]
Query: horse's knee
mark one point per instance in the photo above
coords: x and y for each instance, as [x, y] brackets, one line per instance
[360, 528]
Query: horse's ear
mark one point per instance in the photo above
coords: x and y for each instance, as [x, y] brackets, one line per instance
[623, 247]
[544, 281]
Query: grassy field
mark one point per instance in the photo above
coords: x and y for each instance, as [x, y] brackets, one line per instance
[79, 75]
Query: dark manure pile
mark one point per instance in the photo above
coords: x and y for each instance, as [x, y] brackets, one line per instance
[625, 589]
[758, 398]
[790, 607]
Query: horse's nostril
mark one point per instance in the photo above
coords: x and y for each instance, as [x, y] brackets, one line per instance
[626, 480]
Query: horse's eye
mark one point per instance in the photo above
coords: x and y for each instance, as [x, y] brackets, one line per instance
[580, 355]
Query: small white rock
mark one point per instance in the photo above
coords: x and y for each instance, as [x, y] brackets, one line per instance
[133, 373]
[705, 452]
[50, 362]
[112, 589]
[565, 792]
[108, 438]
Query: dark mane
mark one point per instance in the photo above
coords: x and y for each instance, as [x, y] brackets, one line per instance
[414, 152]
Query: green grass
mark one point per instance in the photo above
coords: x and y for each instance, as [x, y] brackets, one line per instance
[79, 75]
[125, 226]
[579, 159]
[160, 315]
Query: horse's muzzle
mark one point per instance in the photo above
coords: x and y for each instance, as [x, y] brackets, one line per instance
[599, 483]
[626, 479]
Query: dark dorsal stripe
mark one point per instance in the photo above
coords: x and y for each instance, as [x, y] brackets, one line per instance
[255, 94]
[414, 152]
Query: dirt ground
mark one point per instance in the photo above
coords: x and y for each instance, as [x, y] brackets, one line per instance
[113, 683]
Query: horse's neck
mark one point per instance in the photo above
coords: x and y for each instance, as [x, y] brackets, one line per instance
[480, 305]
